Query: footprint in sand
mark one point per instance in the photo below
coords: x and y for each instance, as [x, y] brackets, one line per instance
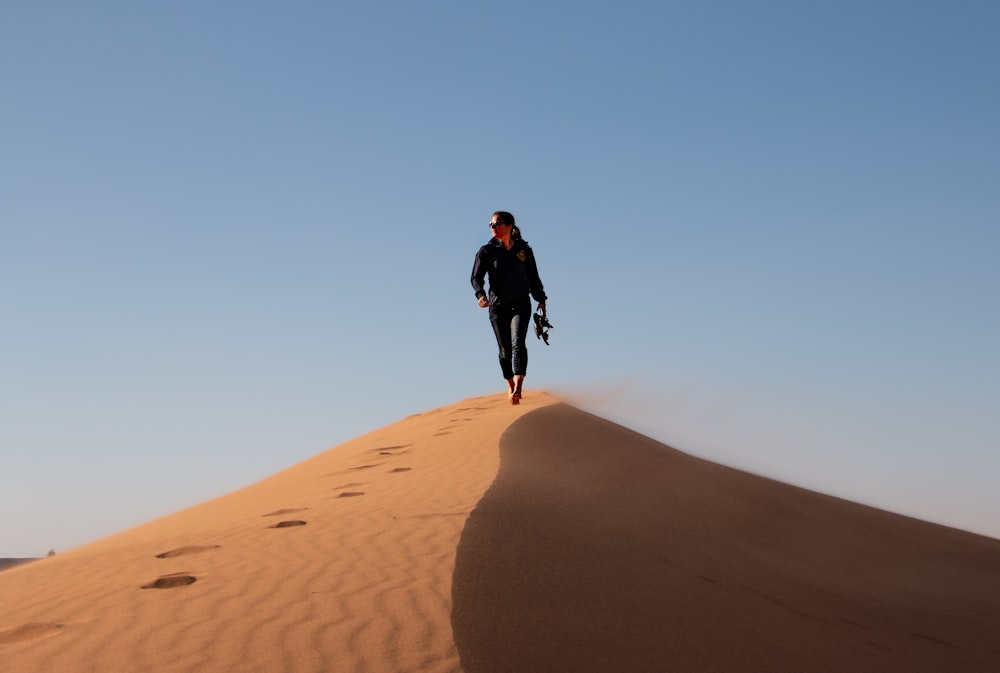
[384, 450]
[288, 524]
[32, 631]
[286, 511]
[400, 469]
[184, 551]
[171, 581]
[350, 494]
[365, 467]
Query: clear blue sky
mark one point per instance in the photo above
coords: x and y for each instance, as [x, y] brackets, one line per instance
[234, 234]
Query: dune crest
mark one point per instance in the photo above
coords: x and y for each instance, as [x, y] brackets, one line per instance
[486, 538]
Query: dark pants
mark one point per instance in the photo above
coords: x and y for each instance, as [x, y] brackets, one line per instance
[510, 324]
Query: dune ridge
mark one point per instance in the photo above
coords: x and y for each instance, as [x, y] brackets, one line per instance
[481, 537]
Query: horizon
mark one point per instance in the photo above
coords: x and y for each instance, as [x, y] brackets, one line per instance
[231, 238]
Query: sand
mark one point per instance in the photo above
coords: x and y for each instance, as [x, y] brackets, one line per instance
[484, 537]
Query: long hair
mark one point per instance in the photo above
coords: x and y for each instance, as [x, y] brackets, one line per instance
[508, 218]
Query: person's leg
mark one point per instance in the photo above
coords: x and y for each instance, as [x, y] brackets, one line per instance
[518, 384]
[519, 349]
[501, 328]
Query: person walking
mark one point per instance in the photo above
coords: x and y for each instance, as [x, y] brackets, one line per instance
[509, 263]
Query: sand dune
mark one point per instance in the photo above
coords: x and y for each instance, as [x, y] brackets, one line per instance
[597, 549]
[13, 562]
[484, 537]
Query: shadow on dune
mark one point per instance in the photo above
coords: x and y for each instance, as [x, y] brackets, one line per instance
[598, 549]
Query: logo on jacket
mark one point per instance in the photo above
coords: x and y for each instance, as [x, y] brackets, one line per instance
[521, 256]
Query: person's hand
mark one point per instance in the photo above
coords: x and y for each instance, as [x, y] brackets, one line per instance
[483, 301]
[541, 309]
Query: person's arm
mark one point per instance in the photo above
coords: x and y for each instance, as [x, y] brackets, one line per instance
[479, 267]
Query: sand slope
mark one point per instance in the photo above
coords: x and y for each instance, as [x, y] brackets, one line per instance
[481, 537]
[598, 549]
[363, 583]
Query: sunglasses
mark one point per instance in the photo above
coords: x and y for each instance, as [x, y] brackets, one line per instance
[494, 225]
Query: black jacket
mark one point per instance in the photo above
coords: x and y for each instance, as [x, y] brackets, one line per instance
[513, 274]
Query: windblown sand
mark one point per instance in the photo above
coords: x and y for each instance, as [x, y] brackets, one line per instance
[487, 538]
